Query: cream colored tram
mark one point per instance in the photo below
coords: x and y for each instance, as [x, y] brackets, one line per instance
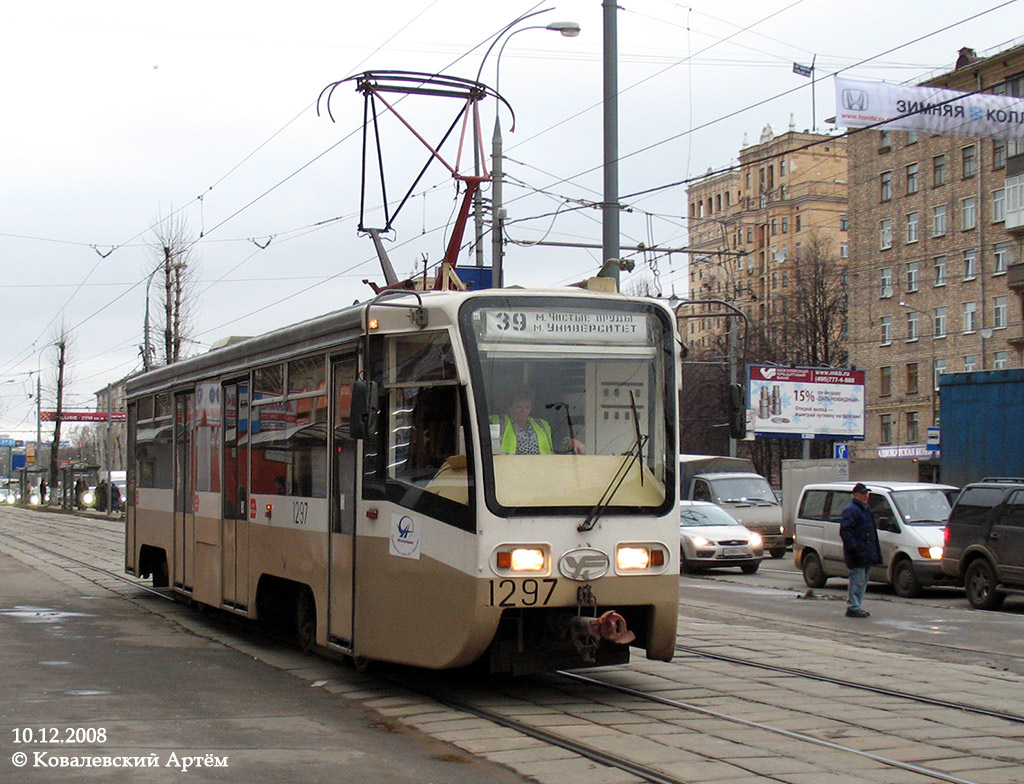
[350, 478]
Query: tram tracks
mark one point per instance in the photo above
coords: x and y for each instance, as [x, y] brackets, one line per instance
[564, 711]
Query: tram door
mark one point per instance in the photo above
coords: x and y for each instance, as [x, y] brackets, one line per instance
[341, 582]
[184, 484]
[235, 522]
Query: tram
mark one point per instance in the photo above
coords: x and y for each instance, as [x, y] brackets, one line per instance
[357, 478]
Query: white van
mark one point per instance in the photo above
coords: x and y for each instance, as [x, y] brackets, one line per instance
[910, 517]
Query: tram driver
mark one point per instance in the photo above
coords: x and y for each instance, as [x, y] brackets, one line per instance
[522, 434]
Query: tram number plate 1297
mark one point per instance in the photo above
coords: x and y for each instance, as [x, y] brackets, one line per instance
[522, 593]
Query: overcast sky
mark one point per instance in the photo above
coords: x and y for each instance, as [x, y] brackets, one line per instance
[117, 113]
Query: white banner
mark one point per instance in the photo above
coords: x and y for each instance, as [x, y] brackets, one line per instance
[928, 109]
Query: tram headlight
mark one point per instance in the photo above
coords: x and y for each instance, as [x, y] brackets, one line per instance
[34, 499]
[521, 559]
[88, 498]
[633, 557]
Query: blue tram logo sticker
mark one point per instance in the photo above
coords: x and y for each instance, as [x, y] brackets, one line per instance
[584, 563]
[405, 537]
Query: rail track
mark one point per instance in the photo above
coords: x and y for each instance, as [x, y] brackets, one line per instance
[664, 723]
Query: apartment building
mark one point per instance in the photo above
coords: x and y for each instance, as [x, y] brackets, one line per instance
[755, 222]
[935, 275]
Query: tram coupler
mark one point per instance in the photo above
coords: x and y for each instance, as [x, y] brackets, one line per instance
[587, 631]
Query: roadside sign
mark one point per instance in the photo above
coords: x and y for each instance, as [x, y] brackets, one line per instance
[934, 440]
[841, 451]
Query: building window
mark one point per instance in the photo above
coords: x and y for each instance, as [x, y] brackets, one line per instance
[844, 223]
[911, 137]
[913, 428]
[775, 226]
[886, 323]
[939, 170]
[939, 220]
[970, 264]
[970, 363]
[750, 233]
[912, 325]
[998, 154]
[844, 250]
[912, 221]
[999, 312]
[912, 276]
[970, 161]
[970, 316]
[939, 369]
[1001, 360]
[1001, 255]
[912, 179]
[884, 381]
[885, 230]
[885, 279]
[969, 213]
[885, 186]
[940, 270]
[999, 205]
[797, 222]
[913, 377]
[939, 318]
[885, 428]
[785, 225]
[885, 140]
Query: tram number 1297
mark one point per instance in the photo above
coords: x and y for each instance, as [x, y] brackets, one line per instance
[522, 593]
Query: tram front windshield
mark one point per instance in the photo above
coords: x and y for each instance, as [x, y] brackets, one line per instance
[574, 401]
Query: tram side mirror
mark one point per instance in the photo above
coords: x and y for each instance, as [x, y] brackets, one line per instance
[363, 414]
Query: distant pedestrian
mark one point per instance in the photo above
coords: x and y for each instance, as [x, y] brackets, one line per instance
[115, 497]
[101, 495]
[861, 550]
[44, 491]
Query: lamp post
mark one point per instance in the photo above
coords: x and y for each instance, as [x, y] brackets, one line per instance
[931, 382]
[732, 312]
[567, 30]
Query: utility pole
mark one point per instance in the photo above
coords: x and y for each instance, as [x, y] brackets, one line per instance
[610, 206]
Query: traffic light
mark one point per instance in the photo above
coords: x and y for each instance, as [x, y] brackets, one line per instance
[737, 412]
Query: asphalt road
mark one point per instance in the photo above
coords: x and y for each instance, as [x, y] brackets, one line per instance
[940, 622]
[90, 679]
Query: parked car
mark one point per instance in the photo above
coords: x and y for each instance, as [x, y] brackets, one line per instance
[983, 546]
[910, 518]
[710, 537]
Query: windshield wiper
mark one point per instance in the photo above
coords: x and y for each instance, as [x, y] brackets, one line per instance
[635, 454]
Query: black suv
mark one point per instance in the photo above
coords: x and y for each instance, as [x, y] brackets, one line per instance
[984, 541]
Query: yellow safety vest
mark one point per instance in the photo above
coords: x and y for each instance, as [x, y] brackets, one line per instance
[540, 427]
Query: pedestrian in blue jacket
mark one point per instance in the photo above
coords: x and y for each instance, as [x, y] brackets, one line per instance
[861, 550]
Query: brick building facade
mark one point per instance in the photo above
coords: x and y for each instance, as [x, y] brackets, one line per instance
[935, 283]
[755, 222]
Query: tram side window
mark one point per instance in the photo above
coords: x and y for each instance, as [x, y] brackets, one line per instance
[288, 437]
[420, 429]
[154, 448]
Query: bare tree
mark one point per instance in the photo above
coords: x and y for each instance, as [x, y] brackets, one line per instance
[816, 311]
[177, 263]
[61, 346]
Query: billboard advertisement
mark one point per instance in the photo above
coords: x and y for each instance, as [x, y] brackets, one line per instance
[795, 402]
[929, 109]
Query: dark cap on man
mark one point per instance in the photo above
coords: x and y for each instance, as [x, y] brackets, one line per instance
[860, 488]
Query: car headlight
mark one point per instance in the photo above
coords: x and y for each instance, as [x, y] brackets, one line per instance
[702, 541]
[755, 539]
[931, 553]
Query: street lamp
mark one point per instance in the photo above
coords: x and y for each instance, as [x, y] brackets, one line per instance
[931, 382]
[567, 30]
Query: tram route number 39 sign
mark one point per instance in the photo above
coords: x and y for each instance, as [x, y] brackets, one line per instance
[806, 402]
[571, 326]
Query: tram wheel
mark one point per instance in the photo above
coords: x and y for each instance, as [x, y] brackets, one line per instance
[305, 619]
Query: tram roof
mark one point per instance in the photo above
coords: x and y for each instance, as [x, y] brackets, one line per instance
[310, 335]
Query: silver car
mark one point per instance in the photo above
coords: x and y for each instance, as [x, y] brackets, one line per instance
[710, 537]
